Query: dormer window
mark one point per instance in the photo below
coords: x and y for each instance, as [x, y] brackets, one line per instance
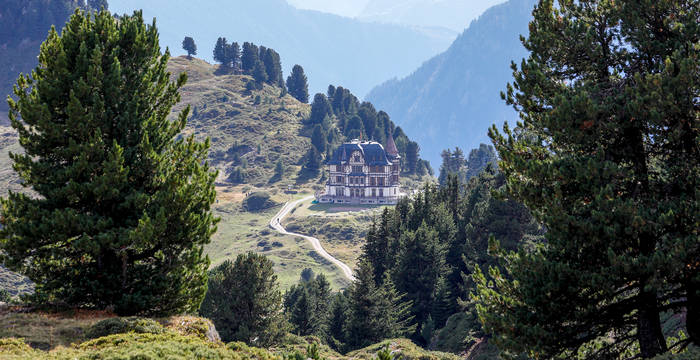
[356, 158]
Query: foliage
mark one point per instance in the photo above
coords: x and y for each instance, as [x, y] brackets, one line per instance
[454, 163]
[258, 201]
[429, 244]
[119, 325]
[374, 312]
[297, 84]
[399, 349]
[244, 302]
[189, 46]
[307, 305]
[607, 158]
[123, 208]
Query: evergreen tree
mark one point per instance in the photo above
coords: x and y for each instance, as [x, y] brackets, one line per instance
[478, 160]
[375, 313]
[249, 57]
[308, 304]
[234, 56]
[244, 302]
[607, 157]
[313, 160]
[273, 67]
[122, 208]
[354, 129]
[428, 330]
[318, 139]
[338, 317]
[189, 46]
[412, 150]
[259, 73]
[221, 52]
[320, 109]
[297, 84]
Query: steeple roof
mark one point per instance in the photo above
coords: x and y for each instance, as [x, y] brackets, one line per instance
[391, 149]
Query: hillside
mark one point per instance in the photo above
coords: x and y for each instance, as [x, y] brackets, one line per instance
[23, 27]
[451, 14]
[325, 45]
[453, 98]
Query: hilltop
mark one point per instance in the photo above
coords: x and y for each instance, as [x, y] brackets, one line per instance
[326, 45]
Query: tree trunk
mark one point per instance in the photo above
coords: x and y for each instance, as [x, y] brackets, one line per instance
[651, 338]
[692, 322]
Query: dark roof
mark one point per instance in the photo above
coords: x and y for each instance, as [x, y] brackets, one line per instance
[373, 153]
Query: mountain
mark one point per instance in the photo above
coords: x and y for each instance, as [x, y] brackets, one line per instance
[332, 49]
[454, 98]
[23, 27]
[452, 14]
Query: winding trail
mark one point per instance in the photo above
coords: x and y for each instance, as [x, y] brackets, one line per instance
[276, 223]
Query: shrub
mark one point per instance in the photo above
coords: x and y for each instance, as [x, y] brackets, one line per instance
[124, 325]
[258, 201]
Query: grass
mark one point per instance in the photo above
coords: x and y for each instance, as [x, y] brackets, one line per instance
[241, 231]
[403, 349]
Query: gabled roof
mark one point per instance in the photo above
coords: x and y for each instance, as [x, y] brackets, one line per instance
[373, 153]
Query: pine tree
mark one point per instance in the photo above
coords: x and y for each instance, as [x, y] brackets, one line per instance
[123, 208]
[297, 84]
[375, 313]
[244, 302]
[221, 52]
[337, 320]
[318, 139]
[313, 160]
[273, 68]
[249, 57]
[189, 46]
[606, 156]
[412, 150]
[233, 55]
[259, 73]
[320, 109]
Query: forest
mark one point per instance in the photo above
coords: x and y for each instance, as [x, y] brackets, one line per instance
[575, 234]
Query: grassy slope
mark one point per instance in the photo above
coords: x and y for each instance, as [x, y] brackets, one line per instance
[66, 336]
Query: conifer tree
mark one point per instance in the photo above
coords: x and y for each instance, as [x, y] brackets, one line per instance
[313, 160]
[221, 52]
[259, 73]
[320, 109]
[318, 138]
[273, 68]
[297, 84]
[412, 150]
[123, 208]
[249, 57]
[234, 56]
[244, 302]
[189, 46]
[607, 157]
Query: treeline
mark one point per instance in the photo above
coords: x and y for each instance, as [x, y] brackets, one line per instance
[339, 116]
[263, 64]
[454, 163]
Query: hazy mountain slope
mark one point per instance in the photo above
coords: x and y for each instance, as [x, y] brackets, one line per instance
[332, 49]
[452, 99]
[451, 14]
[23, 27]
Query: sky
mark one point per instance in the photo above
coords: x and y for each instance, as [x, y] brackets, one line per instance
[349, 8]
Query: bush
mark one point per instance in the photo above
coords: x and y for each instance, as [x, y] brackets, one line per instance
[258, 201]
[120, 325]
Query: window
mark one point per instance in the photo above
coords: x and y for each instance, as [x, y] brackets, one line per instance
[362, 181]
[394, 168]
[381, 182]
[381, 192]
[374, 192]
[357, 169]
[339, 179]
[339, 192]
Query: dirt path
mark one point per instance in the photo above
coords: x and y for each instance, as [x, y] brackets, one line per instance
[275, 223]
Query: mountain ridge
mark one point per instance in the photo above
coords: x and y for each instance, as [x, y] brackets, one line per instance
[453, 98]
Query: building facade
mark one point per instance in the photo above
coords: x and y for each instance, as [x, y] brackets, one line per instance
[363, 173]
